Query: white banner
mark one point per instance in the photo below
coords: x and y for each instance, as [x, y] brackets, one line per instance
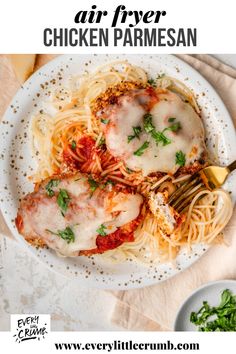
[115, 342]
[104, 26]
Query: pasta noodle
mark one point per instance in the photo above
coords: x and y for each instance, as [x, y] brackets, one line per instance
[208, 212]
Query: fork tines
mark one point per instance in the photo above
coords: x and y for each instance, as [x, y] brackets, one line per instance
[180, 199]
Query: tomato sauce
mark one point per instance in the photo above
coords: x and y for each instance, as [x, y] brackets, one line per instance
[111, 241]
[85, 151]
[88, 147]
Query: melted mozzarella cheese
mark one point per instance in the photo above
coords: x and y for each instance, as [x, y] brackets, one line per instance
[129, 113]
[85, 215]
[124, 204]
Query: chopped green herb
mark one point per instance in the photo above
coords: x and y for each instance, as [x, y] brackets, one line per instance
[63, 200]
[73, 145]
[93, 184]
[137, 131]
[67, 234]
[140, 151]
[148, 126]
[180, 158]
[160, 138]
[130, 137]
[224, 319]
[174, 127]
[51, 184]
[171, 120]
[101, 230]
[105, 121]
[152, 82]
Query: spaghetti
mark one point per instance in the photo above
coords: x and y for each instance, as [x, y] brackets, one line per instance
[72, 140]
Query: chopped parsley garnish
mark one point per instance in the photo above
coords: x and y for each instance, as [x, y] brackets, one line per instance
[63, 200]
[105, 121]
[220, 318]
[140, 151]
[148, 126]
[73, 145]
[93, 184]
[160, 137]
[51, 184]
[137, 131]
[180, 158]
[130, 137]
[152, 82]
[101, 230]
[174, 127]
[67, 234]
[171, 120]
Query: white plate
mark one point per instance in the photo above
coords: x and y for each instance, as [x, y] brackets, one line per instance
[16, 162]
[210, 292]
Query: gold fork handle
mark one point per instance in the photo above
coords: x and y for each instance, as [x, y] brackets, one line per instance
[232, 166]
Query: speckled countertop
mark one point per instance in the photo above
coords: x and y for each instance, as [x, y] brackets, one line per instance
[27, 286]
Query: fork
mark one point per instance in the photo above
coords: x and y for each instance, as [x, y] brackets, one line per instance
[210, 177]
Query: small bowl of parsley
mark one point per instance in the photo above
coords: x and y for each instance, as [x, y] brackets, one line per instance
[211, 308]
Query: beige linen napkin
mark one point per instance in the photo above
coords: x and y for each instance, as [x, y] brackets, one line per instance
[8, 87]
[154, 308]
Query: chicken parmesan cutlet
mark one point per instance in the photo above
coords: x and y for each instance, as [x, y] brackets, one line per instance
[151, 129]
[77, 215]
[112, 146]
